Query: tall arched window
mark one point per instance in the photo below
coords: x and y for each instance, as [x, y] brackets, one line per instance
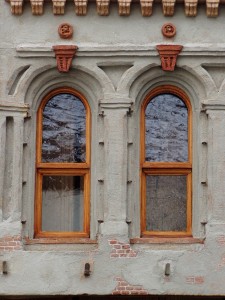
[63, 165]
[166, 163]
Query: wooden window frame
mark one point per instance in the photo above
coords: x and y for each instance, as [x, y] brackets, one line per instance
[62, 169]
[166, 168]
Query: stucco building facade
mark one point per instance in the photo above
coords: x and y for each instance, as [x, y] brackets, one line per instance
[114, 71]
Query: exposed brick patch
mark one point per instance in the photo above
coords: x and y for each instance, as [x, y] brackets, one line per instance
[221, 240]
[124, 288]
[195, 280]
[11, 243]
[121, 250]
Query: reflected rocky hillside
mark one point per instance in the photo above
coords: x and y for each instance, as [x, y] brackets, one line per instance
[166, 135]
[63, 138]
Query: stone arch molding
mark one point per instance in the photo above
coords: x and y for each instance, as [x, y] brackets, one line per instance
[195, 81]
[38, 80]
[77, 79]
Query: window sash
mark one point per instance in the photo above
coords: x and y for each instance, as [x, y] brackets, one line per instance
[161, 172]
[166, 168]
[62, 168]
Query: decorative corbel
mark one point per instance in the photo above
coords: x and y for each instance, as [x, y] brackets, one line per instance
[168, 7]
[16, 7]
[168, 55]
[103, 7]
[190, 7]
[37, 7]
[58, 7]
[212, 8]
[64, 55]
[80, 7]
[124, 7]
[146, 7]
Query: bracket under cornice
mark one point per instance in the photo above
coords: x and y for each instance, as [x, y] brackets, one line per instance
[124, 6]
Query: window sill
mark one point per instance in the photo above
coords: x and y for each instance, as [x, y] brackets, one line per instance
[45, 241]
[169, 240]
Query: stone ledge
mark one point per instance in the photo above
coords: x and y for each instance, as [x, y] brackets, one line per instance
[161, 240]
[121, 50]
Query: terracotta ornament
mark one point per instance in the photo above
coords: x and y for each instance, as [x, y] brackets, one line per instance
[168, 55]
[65, 31]
[64, 55]
[168, 6]
[169, 30]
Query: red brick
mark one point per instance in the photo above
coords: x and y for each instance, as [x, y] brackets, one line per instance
[9, 248]
[126, 246]
[114, 255]
[123, 283]
[199, 280]
[123, 255]
[117, 246]
[125, 293]
[112, 242]
[121, 288]
[120, 251]
[129, 288]
[11, 244]
[116, 293]
[143, 292]
[132, 254]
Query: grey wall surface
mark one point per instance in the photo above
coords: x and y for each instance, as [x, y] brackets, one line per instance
[116, 66]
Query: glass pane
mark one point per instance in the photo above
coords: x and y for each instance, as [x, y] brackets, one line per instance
[166, 203]
[63, 137]
[62, 203]
[166, 129]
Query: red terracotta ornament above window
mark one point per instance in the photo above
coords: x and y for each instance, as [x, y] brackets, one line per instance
[168, 55]
[64, 55]
[169, 30]
[65, 31]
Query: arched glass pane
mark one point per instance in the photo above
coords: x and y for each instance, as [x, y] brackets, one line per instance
[63, 136]
[166, 129]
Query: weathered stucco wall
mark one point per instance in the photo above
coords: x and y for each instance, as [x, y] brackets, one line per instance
[116, 66]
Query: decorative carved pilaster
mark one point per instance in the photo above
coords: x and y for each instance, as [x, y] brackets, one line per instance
[168, 55]
[16, 7]
[168, 7]
[146, 7]
[80, 7]
[190, 7]
[37, 7]
[58, 7]
[124, 7]
[103, 7]
[212, 8]
[64, 56]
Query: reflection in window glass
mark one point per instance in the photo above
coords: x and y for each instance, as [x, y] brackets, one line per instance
[63, 138]
[166, 129]
[166, 203]
[62, 203]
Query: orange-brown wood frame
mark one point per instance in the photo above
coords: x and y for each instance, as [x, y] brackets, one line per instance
[62, 169]
[166, 168]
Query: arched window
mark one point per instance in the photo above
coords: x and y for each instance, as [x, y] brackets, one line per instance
[166, 163]
[63, 165]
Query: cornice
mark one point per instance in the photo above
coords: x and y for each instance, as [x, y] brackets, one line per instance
[147, 50]
[102, 6]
